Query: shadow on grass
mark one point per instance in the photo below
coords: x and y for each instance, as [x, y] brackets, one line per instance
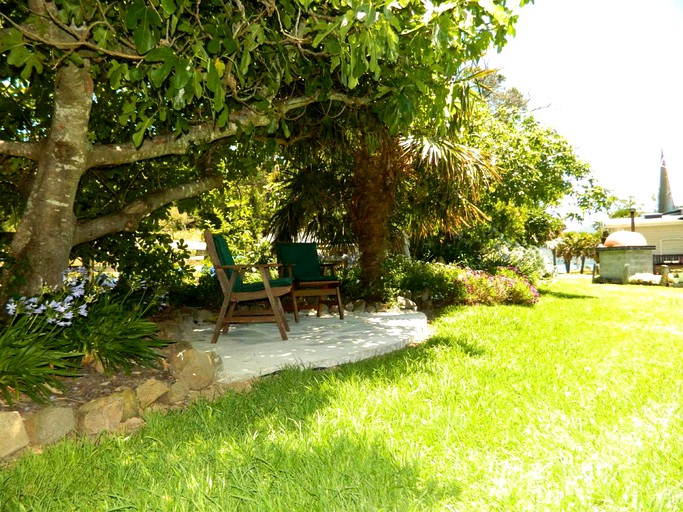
[468, 347]
[277, 447]
[563, 295]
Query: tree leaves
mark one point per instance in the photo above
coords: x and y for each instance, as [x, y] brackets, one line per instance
[144, 22]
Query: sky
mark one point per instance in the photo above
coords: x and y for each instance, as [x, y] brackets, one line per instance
[608, 76]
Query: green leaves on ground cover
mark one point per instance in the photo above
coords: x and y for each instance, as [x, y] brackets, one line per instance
[46, 336]
[31, 361]
[571, 405]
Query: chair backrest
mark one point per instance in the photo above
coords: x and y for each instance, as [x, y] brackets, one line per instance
[304, 257]
[220, 254]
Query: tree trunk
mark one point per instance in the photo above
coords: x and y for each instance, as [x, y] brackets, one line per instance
[372, 204]
[44, 236]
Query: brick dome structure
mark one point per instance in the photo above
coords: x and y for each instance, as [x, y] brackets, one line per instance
[625, 239]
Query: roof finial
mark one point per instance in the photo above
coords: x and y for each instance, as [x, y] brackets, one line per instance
[666, 200]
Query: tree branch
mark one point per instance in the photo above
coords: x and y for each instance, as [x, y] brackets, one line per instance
[128, 218]
[171, 144]
[30, 150]
[68, 45]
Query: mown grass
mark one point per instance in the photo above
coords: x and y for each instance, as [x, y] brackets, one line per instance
[574, 404]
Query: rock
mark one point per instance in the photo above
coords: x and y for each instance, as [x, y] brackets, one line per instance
[349, 306]
[170, 331]
[177, 392]
[202, 315]
[104, 413]
[243, 386]
[211, 393]
[194, 367]
[406, 303]
[51, 424]
[131, 405]
[150, 391]
[13, 435]
[370, 308]
[359, 305]
[132, 425]
[159, 408]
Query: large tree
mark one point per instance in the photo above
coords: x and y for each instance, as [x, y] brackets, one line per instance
[539, 171]
[136, 80]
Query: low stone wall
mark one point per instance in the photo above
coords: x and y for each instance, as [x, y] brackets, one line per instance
[193, 373]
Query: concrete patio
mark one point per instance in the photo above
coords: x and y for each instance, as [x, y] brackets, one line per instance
[253, 350]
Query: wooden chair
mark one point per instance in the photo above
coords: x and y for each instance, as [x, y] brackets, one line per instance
[235, 291]
[301, 262]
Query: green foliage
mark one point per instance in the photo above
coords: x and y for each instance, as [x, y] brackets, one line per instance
[445, 284]
[204, 292]
[116, 333]
[528, 262]
[505, 287]
[143, 256]
[47, 335]
[31, 359]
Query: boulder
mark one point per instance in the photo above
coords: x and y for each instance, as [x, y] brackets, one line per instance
[131, 405]
[406, 303]
[194, 367]
[178, 392]
[150, 391]
[51, 424]
[13, 435]
[104, 413]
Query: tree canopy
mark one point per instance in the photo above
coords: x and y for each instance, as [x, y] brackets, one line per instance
[103, 91]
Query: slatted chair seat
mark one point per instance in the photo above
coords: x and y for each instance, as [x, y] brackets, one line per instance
[301, 262]
[236, 291]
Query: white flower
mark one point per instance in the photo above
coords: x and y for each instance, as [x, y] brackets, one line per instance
[11, 307]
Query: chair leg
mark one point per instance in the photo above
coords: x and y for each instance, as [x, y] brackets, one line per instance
[295, 302]
[228, 317]
[282, 313]
[219, 321]
[278, 313]
[318, 304]
[339, 304]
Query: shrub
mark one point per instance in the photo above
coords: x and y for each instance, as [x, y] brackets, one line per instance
[445, 284]
[116, 334]
[519, 289]
[528, 261]
[506, 286]
[201, 292]
[47, 334]
[30, 359]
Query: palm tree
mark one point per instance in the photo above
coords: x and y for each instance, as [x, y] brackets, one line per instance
[415, 185]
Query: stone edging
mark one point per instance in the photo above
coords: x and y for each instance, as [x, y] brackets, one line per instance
[194, 372]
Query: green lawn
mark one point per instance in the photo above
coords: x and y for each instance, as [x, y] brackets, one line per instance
[574, 404]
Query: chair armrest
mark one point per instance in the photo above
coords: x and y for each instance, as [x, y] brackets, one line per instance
[328, 266]
[250, 266]
[288, 269]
